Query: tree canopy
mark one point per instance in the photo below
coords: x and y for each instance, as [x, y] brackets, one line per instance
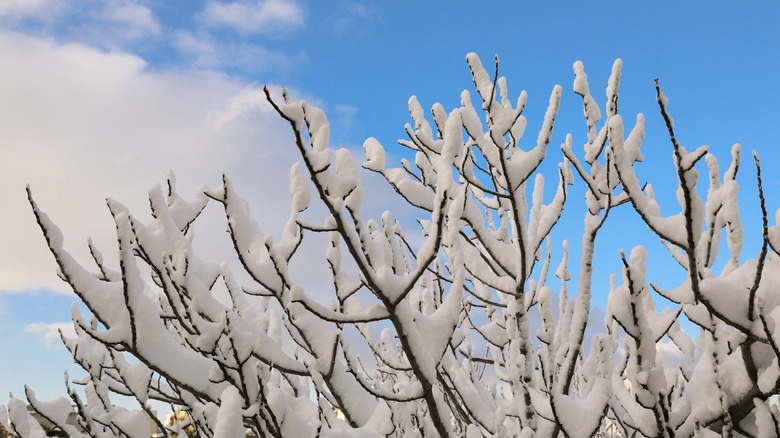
[457, 328]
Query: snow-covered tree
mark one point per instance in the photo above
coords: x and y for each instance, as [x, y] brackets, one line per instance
[432, 335]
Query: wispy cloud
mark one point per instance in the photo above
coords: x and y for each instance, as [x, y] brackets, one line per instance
[345, 115]
[40, 9]
[345, 18]
[210, 53]
[112, 24]
[248, 101]
[50, 333]
[136, 19]
[108, 24]
[252, 102]
[268, 17]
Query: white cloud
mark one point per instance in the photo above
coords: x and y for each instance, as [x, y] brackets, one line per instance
[50, 333]
[79, 125]
[268, 17]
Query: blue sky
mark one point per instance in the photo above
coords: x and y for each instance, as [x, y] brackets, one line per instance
[98, 98]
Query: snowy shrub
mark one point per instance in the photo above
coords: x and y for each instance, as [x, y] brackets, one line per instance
[446, 318]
